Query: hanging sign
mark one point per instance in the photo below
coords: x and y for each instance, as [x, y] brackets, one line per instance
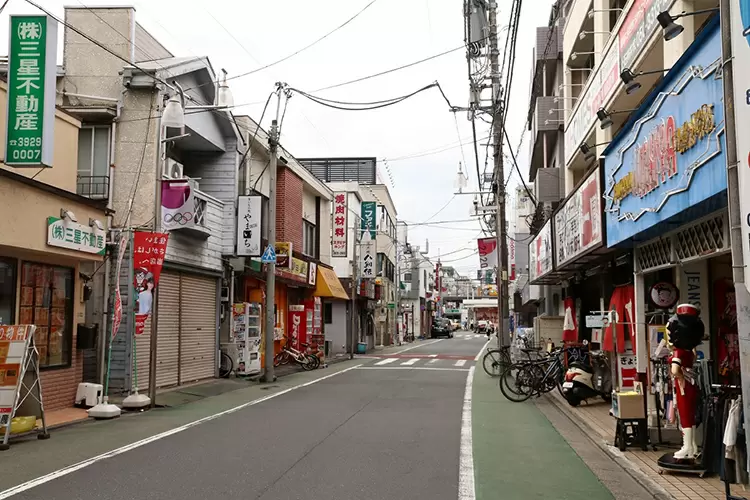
[340, 217]
[663, 295]
[177, 204]
[578, 223]
[284, 250]
[487, 253]
[32, 76]
[248, 225]
[369, 208]
[540, 252]
[64, 233]
[149, 250]
[740, 19]
[367, 254]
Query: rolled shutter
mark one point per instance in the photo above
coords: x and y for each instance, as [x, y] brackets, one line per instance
[198, 328]
[168, 339]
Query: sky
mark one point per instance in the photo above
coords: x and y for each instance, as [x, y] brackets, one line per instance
[417, 142]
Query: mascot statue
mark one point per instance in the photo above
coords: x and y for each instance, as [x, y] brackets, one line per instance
[685, 333]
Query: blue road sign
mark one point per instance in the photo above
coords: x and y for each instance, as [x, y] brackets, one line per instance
[269, 256]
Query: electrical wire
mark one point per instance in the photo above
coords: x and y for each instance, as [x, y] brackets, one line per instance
[255, 134]
[515, 164]
[367, 106]
[256, 70]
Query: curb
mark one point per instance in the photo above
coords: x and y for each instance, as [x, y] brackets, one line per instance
[616, 455]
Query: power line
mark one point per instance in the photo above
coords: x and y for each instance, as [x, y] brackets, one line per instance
[368, 106]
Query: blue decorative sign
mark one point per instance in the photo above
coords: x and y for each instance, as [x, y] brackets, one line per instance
[672, 155]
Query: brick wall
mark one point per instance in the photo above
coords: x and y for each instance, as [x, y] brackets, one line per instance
[59, 386]
[289, 208]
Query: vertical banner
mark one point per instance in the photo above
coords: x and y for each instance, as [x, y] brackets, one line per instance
[487, 253]
[369, 209]
[511, 257]
[32, 74]
[177, 204]
[340, 217]
[122, 245]
[368, 252]
[248, 226]
[148, 258]
[740, 19]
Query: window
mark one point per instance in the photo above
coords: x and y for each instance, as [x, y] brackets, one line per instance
[407, 277]
[308, 238]
[47, 302]
[327, 313]
[7, 291]
[93, 161]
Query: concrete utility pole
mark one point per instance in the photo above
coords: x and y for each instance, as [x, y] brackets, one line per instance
[742, 296]
[497, 141]
[354, 338]
[273, 149]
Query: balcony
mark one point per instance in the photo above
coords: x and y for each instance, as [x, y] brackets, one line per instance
[198, 212]
[548, 185]
[546, 122]
[95, 187]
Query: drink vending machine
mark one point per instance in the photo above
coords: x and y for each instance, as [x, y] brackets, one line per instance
[315, 336]
[246, 335]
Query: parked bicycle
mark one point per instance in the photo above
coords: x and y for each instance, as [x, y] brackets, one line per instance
[496, 360]
[522, 380]
[288, 353]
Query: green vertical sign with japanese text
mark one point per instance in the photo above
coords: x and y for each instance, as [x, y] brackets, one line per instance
[369, 208]
[32, 71]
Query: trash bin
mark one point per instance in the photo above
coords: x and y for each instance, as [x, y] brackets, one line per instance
[361, 348]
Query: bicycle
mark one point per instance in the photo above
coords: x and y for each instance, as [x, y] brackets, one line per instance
[496, 360]
[226, 365]
[522, 380]
[288, 353]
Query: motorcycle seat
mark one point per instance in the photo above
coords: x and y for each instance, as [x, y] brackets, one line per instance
[582, 366]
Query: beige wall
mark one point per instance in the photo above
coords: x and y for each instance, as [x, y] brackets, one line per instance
[65, 160]
[26, 229]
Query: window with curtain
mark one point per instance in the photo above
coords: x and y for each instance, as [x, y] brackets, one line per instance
[47, 302]
[93, 161]
[308, 238]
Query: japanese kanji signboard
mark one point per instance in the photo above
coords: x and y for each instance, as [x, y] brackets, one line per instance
[74, 236]
[149, 250]
[369, 208]
[248, 226]
[32, 71]
[368, 252]
[340, 241]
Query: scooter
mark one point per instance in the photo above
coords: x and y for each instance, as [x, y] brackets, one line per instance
[585, 381]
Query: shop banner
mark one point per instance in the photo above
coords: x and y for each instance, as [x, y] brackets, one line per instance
[540, 253]
[512, 256]
[340, 235]
[369, 209]
[284, 251]
[487, 253]
[122, 245]
[13, 352]
[248, 225]
[297, 326]
[578, 223]
[177, 204]
[148, 258]
[639, 26]
[627, 373]
[740, 19]
[672, 156]
[368, 252]
[64, 233]
[32, 76]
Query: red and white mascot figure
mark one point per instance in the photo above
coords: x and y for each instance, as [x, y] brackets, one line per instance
[685, 334]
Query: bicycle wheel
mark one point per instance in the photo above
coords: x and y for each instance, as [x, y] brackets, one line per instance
[314, 360]
[515, 384]
[281, 358]
[306, 362]
[495, 362]
[225, 365]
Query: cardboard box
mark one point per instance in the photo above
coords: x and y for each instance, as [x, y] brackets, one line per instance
[627, 405]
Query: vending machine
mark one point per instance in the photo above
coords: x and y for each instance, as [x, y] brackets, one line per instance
[297, 326]
[315, 336]
[246, 335]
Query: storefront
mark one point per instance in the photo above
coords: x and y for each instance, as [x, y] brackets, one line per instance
[44, 243]
[665, 192]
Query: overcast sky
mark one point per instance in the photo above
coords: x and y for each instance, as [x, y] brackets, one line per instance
[241, 36]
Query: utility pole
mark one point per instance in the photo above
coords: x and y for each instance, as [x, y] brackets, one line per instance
[273, 150]
[736, 222]
[354, 338]
[497, 141]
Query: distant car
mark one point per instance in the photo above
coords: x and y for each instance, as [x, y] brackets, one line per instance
[455, 324]
[441, 327]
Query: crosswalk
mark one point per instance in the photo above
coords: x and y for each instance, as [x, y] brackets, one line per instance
[421, 363]
[470, 336]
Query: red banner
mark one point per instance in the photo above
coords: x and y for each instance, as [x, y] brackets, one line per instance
[149, 250]
[487, 253]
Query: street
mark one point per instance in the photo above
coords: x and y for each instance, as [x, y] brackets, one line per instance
[396, 425]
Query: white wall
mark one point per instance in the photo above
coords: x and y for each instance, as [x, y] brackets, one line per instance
[308, 207]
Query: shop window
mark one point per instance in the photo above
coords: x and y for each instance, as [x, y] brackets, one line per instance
[327, 313]
[47, 302]
[7, 291]
[308, 238]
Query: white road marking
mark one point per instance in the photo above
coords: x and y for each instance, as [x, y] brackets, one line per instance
[432, 361]
[479, 354]
[386, 361]
[460, 362]
[478, 336]
[427, 368]
[432, 356]
[410, 362]
[421, 344]
[466, 461]
[119, 451]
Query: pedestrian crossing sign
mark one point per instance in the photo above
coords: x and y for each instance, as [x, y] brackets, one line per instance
[269, 256]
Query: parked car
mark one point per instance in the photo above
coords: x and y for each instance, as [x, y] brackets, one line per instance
[441, 327]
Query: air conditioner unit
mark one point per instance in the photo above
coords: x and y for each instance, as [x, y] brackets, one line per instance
[174, 170]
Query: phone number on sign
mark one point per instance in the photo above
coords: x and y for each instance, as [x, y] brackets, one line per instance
[25, 154]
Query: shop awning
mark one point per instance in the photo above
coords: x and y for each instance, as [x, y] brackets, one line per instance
[329, 286]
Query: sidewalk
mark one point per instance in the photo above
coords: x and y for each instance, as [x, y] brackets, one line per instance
[595, 420]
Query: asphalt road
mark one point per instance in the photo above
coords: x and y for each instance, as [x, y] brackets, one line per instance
[386, 427]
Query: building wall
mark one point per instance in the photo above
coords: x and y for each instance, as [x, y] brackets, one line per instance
[289, 189]
[147, 48]
[308, 206]
[337, 330]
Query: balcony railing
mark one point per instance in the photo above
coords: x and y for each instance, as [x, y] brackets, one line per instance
[93, 186]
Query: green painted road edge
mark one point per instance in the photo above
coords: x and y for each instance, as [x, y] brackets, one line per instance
[518, 454]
